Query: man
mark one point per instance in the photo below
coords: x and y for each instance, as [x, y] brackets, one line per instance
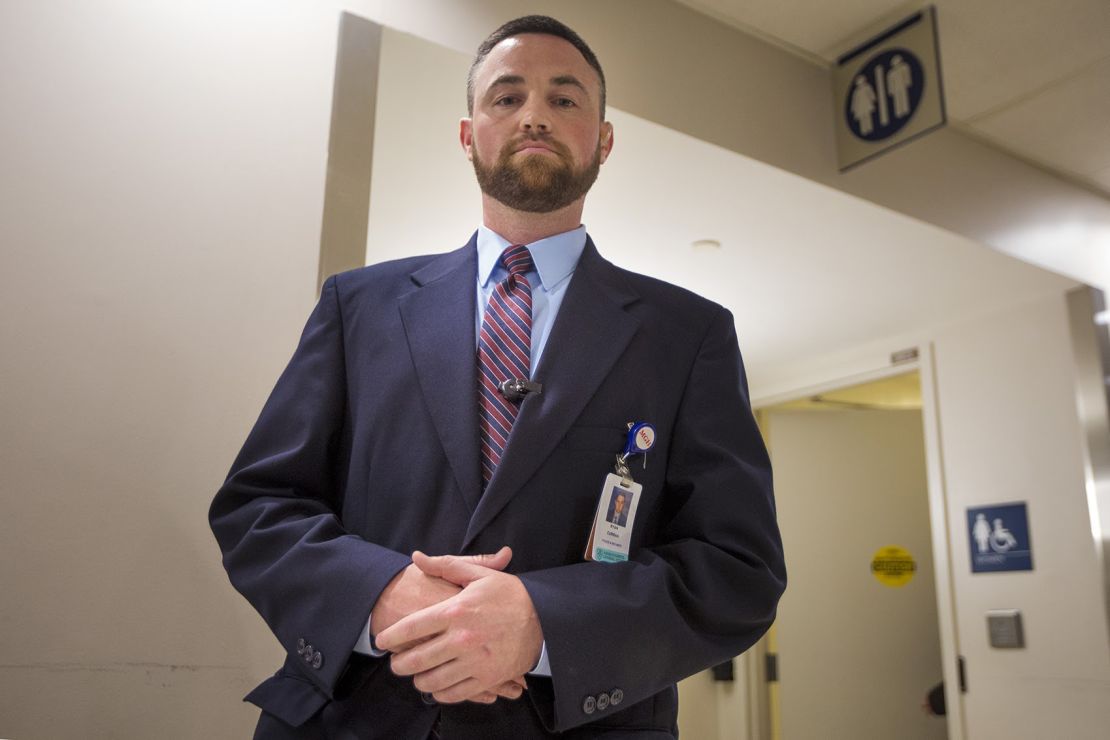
[617, 513]
[461, 403]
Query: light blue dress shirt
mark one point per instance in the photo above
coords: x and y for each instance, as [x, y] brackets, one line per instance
[554, 259]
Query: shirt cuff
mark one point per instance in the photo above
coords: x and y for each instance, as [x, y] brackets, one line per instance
[543, 665]
[365, 645]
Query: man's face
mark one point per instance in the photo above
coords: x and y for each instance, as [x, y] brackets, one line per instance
[535, 137]
[620, 503]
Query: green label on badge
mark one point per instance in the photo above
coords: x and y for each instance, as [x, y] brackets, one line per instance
[602, 555]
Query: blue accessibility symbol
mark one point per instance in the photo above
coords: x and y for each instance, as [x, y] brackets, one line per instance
[999, 538]
[884, 94]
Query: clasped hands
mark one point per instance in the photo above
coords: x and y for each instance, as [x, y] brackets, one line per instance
[462, 628]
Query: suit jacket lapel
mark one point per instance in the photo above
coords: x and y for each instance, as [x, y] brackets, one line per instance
[439, 323]
[590, 333]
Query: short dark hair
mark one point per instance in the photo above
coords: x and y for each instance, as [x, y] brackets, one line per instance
[532, 24]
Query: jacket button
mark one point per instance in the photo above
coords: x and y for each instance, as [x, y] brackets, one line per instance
[602, 701]
[300, 645]
[317, 660]
[428, 698]
[589, 705]
[616, 696]
[307, 653]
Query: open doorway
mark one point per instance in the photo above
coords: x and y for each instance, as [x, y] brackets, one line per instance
[857, 636]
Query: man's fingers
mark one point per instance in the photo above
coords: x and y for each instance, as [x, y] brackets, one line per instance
[408, 592]
[428, 656]
[451, 676]
[462, 570]
[486, 697]
[446, 566]
[414, 628]
[466, 690]
[511, 689]
[443, 677]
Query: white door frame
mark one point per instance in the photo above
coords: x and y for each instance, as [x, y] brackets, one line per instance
[938, 509]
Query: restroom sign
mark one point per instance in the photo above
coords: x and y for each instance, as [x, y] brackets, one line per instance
[999, 538]
[888, 90]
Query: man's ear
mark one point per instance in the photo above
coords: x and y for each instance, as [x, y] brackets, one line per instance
[606, 143]
[466, 137]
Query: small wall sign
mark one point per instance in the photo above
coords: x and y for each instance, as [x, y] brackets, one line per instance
[888, 90]
[999, 538]
[893, 566]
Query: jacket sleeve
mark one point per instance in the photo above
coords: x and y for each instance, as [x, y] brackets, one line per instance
[276, 518]
[704, 590]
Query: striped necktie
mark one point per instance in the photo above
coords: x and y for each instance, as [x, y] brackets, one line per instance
[504, 353]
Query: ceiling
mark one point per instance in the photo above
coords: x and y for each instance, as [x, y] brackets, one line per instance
[1029, 76]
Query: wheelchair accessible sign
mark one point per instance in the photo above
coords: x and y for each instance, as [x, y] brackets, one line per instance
[999, 537]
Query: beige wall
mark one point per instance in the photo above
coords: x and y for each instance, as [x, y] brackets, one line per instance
[1010, 431]
[162, 190]
[163, 169]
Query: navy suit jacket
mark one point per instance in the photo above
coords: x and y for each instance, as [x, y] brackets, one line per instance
[367, 449]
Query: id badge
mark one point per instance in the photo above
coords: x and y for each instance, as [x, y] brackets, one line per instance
[611, 537]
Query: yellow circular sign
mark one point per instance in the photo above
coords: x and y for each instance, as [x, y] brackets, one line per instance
[893, 566]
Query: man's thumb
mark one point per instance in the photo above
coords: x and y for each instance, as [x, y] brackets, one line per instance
[462, 570]
[494, 561]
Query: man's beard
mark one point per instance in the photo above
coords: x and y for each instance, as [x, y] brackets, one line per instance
[539, 183]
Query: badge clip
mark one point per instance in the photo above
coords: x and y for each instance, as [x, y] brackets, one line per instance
[621, 469]
[641, 438]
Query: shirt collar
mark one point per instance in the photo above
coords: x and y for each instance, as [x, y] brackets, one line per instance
[555, 257]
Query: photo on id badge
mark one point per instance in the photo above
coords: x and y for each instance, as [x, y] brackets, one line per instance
[619, 500]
